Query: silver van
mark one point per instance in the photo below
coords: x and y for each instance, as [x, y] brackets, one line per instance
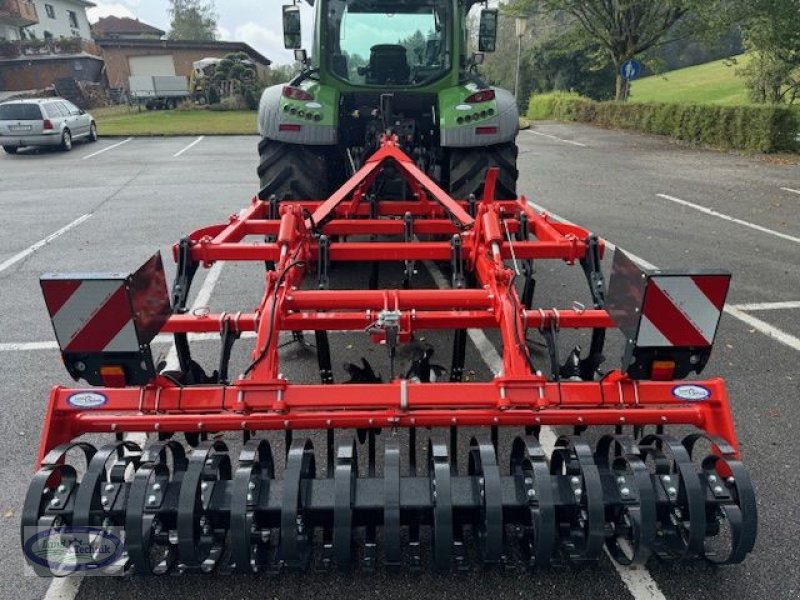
[44, 122]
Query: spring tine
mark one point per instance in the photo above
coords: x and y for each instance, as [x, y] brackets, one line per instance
[344, 478]
[495, 431]
[391, 507]
[442, 497]
[459, 355]
[300, 465]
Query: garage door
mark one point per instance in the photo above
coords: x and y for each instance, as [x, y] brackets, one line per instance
[152, 65]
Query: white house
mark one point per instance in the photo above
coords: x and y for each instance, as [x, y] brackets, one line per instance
[41, 19]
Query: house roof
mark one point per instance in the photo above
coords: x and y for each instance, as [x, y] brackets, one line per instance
[208, 47]
[108, 26]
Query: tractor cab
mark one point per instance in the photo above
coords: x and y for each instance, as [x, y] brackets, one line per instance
[388, 43]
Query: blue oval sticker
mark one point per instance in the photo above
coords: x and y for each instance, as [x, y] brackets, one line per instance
[691, 393]
[87, 400]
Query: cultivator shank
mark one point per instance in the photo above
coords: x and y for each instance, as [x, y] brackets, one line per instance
[439, 486]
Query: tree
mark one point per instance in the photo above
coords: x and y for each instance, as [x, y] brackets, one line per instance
[772, 35]
[626, 28]
[192, 20]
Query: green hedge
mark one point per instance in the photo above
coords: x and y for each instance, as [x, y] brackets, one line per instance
[747, 128]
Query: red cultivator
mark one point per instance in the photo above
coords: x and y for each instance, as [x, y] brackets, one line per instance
[636, 494]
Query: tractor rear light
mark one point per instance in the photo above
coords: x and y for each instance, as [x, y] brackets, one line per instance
[486, 130]
[482, 96]
[112, 376]
[662, 370]
[289, 127]
[47, 125]
[296, 93]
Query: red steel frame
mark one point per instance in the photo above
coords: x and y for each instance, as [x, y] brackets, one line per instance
[263, 400]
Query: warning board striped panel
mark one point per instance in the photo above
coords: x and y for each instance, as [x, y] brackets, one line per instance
[682, 311]
[92, 315]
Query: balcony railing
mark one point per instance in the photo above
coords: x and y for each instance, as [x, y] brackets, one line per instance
[19, 13]
[59, 47]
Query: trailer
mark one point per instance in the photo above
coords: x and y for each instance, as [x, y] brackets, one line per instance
[158, 91]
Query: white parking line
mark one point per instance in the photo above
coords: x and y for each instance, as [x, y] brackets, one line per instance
[194, 143]
[558, 139]
[714, 213]
[42, 243]
[107, 148]
[765, 328]
[761, 326]
[791, 190]
[767, 306]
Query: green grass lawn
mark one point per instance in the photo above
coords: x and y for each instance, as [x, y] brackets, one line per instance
[123, 120]
[711, 83]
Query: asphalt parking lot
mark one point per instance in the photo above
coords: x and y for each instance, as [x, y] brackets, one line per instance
[110, 205]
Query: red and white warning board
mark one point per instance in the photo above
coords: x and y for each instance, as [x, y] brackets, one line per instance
[682, 310]
[91, 315]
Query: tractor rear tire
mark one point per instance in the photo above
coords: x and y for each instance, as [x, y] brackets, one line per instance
[468, 168]
[292, 172]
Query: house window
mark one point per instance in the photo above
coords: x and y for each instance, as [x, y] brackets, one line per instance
[51, 12]
[73, 19]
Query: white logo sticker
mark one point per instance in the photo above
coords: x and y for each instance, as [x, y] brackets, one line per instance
[87, 400]
[313, 105]
[691, 393]
[463, 107]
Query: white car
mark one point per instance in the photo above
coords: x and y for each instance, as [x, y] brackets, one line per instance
[44, 122]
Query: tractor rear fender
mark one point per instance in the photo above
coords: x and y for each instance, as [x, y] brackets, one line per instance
[309, 120]
[474, 124]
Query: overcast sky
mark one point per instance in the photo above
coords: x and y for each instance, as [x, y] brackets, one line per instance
[256, 22]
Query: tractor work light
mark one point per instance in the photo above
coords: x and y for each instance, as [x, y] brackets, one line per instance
[669, 318]
[104, 322]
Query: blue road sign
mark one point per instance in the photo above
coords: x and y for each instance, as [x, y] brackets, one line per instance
[631, 69]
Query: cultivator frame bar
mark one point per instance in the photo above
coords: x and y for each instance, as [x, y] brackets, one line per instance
[637, 495]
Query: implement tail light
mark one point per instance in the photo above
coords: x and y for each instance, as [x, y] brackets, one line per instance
[482, 96]
[485, 130]
[669, 318]
[47, 125]
[289, 127]
[662, 370]
[296, 93]
[112, 376]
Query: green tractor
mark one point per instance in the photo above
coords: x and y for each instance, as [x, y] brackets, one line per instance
[387, 66]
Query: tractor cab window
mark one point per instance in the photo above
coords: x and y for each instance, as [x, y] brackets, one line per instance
[382, 43]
